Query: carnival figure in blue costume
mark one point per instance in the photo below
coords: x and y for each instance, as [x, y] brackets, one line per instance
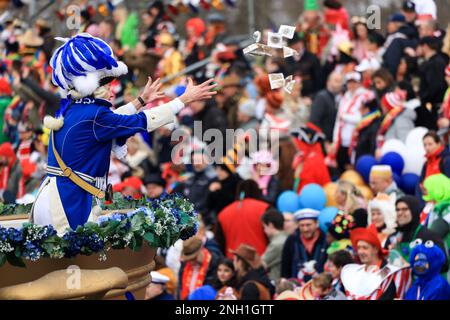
[86, 129]
[426, 262]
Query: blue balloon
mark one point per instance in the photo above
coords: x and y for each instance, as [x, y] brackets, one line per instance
[326, 217]
[313, 196]
[394, 160]
[409, 183]
[364, 165]
[288, 202]
[397, 179]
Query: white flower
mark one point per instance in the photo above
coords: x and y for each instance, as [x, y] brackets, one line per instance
[6, 247]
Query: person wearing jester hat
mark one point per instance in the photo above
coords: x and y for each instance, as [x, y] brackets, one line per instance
[86, 130]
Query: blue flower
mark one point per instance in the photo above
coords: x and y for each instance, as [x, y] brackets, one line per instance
[14, 235]
[102, 219]
[32, 251]
[118, 217]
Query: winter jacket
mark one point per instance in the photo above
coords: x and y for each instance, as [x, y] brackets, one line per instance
[444, 164]
[261, 290]
[240, 222]
[323, 113]
[196, 187]
[211, 117]
[307, 67]
[219, 199]
[295, 256]
[272, 255]
[395, 46]
[367, 139]
[401, 126]
[432, 79]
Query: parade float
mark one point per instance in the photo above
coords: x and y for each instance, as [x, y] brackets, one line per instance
[113, 256]
[78, 240]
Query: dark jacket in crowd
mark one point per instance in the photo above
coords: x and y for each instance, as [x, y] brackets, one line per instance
[273, 190]
[432, 79]
[308, 67]
[196, 187]
[295, 255]
[249, 290]
[413, 230]
[367, 139]
[396, 44]
[211, 117]
[219, 199]
[323, 112]
[432, 90]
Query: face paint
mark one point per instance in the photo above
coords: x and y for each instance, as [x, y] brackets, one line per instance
[421, 264]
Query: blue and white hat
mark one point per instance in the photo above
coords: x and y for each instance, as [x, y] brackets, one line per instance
[304, 214]
[80, 66]
[82, 62]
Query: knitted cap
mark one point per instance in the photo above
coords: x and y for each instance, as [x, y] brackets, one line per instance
[394, 100]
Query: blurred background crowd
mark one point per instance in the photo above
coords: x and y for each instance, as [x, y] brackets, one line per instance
[363, 138]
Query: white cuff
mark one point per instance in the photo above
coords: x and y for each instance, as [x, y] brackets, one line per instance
[128, 109]
[159, 116]
[176, 105]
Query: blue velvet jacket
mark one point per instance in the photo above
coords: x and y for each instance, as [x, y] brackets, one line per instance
[84, 143]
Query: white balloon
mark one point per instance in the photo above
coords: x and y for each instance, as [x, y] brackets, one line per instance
[394, 145]
[415, 138]
[414, 160]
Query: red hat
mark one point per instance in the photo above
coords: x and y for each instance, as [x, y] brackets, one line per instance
[5, 88]
[393, 100]
[197, 24]
[368, 235]
[132, 182]
[447, 71]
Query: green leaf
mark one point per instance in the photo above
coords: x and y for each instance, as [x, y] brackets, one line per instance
[48, 247]
[136, 222]
[149, 237]
[2, 259]
[17, 252]
[15, 261]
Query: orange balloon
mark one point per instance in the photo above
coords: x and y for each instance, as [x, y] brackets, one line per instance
[330, 190]
[353, 177]
[366, 192]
